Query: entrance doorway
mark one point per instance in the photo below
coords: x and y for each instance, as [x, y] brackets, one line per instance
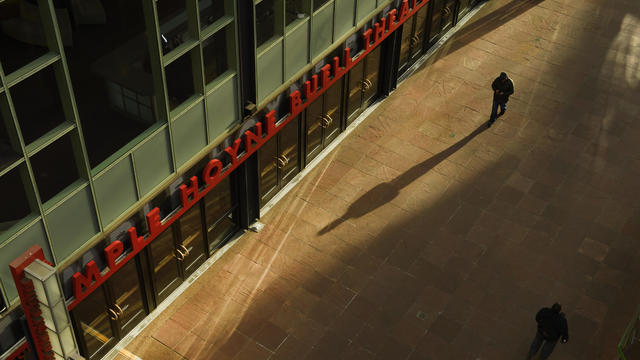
[322, 121]
[110, 312]
[413, 36]
[278, 161]
[441, 15]
[362, 85]
[176, 253]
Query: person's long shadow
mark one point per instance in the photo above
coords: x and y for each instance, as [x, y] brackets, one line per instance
[385, 192]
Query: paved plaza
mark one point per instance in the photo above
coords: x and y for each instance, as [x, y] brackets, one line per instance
[425, 235]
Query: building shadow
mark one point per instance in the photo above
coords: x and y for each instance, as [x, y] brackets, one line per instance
[488, 23]
[386, 192]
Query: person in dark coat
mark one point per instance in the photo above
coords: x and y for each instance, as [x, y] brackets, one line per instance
[552, 325]
[502, 88]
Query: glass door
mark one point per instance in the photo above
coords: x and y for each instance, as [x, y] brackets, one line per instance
[448, 12]
[313, 129]
[278, 161]
[371, 72]
[191, 248]
[267, 156]
[332, 113]
[419, 30]
[126, 298]
[93, 324]
[355, 88]
[165, 269]
[436, 11]
[405, 44]
[220, 208]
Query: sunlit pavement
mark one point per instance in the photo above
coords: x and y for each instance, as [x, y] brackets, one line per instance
[425, 235]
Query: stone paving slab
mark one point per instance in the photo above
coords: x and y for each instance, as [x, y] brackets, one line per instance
[425, 235]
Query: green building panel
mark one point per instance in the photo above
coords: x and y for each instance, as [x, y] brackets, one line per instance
[345, 12]
[296, 50]
[115, 190]
[364, 8]
[269, 76]
[222, 109]
[153, 161]
[33, 235]
[189, 133]
[72, 223]
[321, 30]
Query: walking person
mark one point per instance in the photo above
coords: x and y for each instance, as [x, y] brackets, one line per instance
[502, 88]
[552, 325]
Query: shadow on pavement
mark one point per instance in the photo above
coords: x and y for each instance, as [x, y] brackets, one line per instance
[385, 192]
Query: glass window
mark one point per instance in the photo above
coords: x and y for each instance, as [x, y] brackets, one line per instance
[210, 11]
[15, 205]
[51, 174]
[294, 9]
[215, 54]
[179, 80]
[37, 103]
[172, 17]
[317, 4]
[8, 154]
[265, 21]
[21, 34]
[111, 75]
[11, 328]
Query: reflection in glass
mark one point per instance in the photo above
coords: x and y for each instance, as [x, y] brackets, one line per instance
[214, 54]
[8, 154]
[37, 103]
[355, 89]
[294, 10]
[165, 267]
[317, 4]
[210, 11]
[15, 205]
[405, 43]
[265, 21]
[111, 75]
[21, 34]
[192, 242]
[94, 323]
[421, 23]
[172, 17]
[127, 295]
[268, 172]
[314, 130]
[221, 231]
[179, 80]
[53, 175]
[218, 202]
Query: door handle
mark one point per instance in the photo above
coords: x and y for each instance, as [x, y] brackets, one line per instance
[330, 119]
[112, 314]
[286, 159]
[178, 254]
[184, 249]
[120, 311]
[324, 122]
[369, 83]
[279, 162]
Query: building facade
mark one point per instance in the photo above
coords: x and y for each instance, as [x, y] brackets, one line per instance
[139, 136]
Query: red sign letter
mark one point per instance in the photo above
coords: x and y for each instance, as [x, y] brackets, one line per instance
[270, 119]
[310, 91]
[366, 37]
[326, 71]
[209, 177]
[379, 32]
[348, 60]
[404, 10]
[233, 151]
[154, 222]
[192, 190]
[92, 274]
[251, 138]
[112, 252]
[137, 242]
[337, 69]
[391, 20]
[295, 103]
